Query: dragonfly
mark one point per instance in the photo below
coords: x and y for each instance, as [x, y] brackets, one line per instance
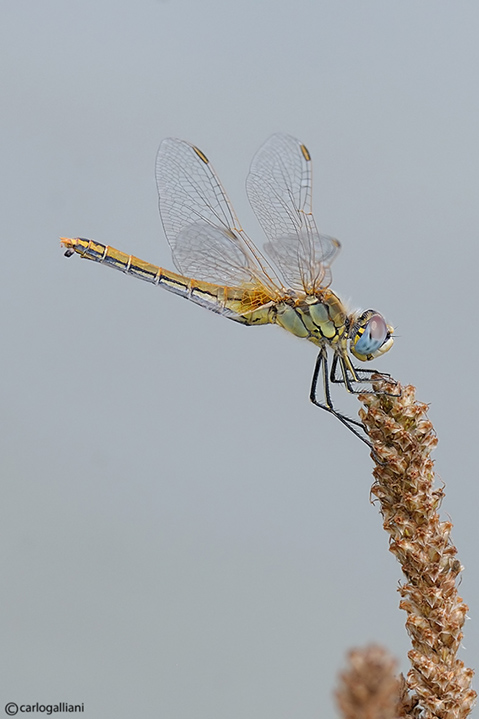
[221, 269]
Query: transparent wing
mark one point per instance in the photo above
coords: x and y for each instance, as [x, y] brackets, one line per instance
[200, 224]
[279, 190]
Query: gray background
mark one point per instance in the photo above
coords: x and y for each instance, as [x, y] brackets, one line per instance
[183, 534]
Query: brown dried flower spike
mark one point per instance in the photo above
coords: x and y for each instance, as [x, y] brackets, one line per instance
[368, 688]
[402, 439]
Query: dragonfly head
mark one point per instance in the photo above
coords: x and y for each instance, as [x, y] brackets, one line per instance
[370, 336]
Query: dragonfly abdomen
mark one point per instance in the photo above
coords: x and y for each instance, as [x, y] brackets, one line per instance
[240, 305]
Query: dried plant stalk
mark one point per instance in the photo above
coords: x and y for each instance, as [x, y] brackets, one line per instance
[402, 439]
[368, 688]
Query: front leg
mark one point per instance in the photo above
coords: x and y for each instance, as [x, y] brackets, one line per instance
[347, 369]
[351, 374]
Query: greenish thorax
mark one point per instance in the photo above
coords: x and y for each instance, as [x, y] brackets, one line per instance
[318, 318]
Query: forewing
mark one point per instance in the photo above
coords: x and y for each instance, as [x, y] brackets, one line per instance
[279, 190]
[200, 224]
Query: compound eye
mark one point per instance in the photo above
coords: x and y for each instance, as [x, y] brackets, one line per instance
[374, 335]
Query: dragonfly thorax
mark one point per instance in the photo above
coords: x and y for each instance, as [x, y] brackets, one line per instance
[322, 319]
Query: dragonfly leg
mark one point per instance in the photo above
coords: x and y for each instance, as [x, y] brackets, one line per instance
[347, 368]
[322, 366]
[361, 371]
[349, 373]
[352, 374]
[372, 372]
[333, 377]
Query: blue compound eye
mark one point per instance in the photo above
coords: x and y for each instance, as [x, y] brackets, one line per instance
[372, 335]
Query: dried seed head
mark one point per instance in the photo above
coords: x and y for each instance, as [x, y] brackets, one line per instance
[402, 439]
[368, 688]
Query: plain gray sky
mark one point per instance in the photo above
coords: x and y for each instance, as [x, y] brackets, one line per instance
[183, 534]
